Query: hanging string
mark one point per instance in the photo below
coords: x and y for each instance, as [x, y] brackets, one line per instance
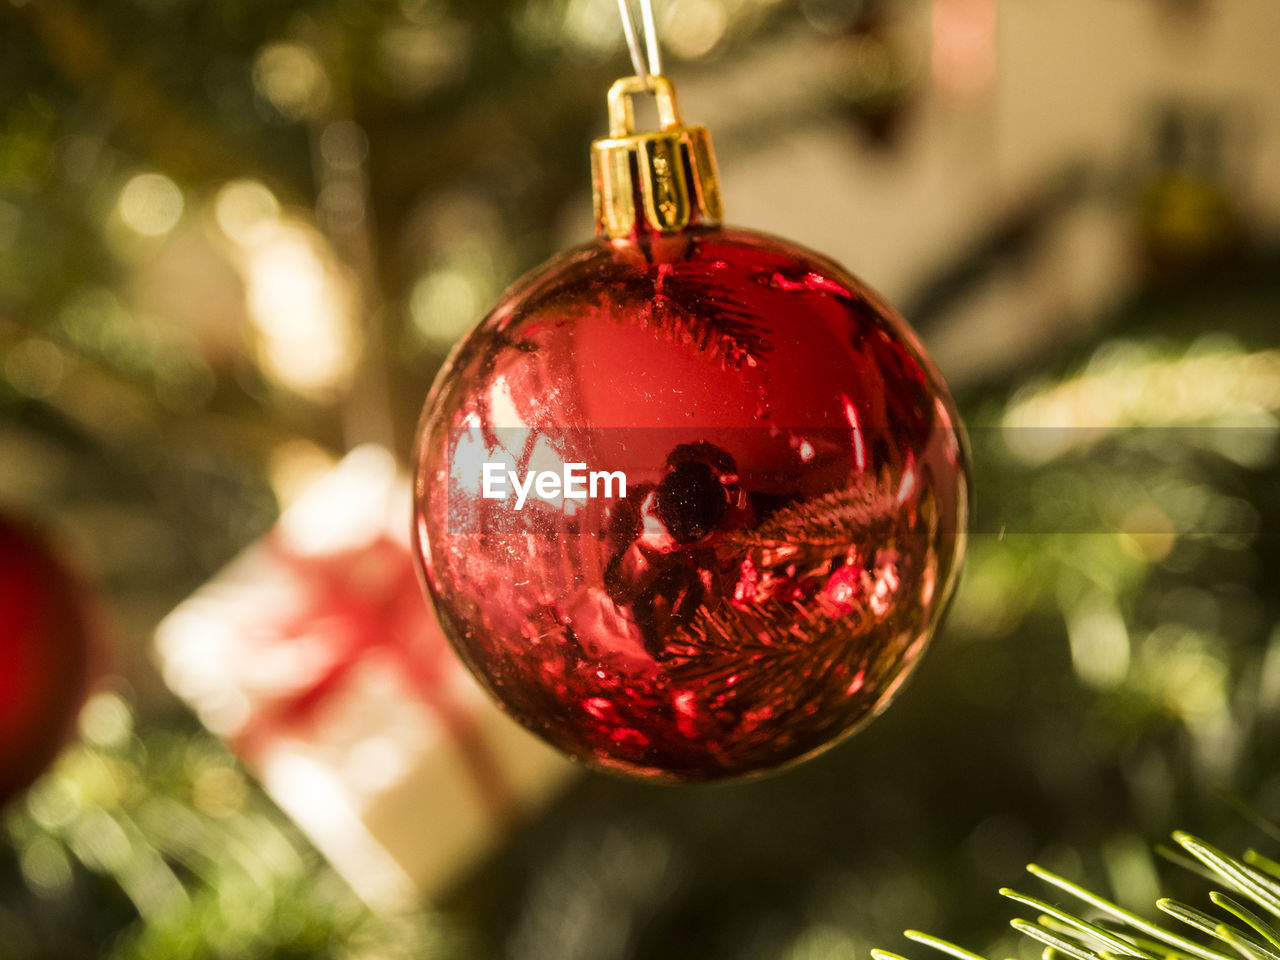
[653, 66]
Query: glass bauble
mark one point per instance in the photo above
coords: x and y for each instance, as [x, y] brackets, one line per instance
[793, 518]
[45, 646]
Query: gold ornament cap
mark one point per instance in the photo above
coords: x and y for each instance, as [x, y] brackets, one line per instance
[663, 179]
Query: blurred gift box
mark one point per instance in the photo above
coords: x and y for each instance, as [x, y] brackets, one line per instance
[317, 657]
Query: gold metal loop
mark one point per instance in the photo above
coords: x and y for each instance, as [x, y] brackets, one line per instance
[622, 117]
[664, 179]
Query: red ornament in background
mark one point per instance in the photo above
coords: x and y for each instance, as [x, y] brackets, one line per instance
[44, 656]
[796, 496]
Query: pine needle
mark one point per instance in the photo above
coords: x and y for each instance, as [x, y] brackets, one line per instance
[1248, 916]
[946, 946]
[1036, 932]
[1214, 927]
[1247, 951]
[878, 954]
[1128, 917]
[1108, 940]
[1123, 935]
[1254, 859]
[1250, 813]
[1149, 944]
[1239, 874]
[1191, 865]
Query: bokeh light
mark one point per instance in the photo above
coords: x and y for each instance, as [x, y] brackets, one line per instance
[302, 306]
[292, 79]
[246, 210]
[692, 28]
[1125, 385]
[34, 367]
[964, 46]
[150, 204]
[443, 306]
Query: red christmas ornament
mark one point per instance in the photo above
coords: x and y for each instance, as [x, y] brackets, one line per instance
[44, 657]
[795, 499]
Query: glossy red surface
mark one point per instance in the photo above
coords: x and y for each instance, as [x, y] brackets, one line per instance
[44, 657]
[794, 518]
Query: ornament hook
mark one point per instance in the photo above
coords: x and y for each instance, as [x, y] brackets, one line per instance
[658, 180]
[645, 71]
[622, 118]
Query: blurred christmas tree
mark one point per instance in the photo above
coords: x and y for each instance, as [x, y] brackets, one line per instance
[236, 238]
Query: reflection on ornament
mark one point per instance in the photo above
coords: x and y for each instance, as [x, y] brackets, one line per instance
[793, 519]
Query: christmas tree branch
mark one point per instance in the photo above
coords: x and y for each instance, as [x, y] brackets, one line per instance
[1124, 934]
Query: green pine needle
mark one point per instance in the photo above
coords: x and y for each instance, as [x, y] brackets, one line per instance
[878, 954]
[1078, 927]
[1060, 945]
[945, 946]
[1127, 917]
[1254, 859]
[1247, 915]
[1214, 927]
[1180, 859]
[1120, 934]
[1236, 872]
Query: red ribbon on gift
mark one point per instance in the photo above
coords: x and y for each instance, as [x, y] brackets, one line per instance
[359, 601]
